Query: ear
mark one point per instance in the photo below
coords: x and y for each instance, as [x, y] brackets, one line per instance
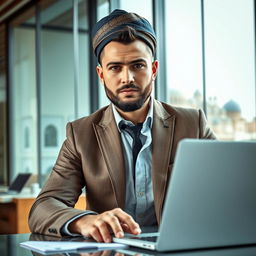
[100, 73]
[154, 69]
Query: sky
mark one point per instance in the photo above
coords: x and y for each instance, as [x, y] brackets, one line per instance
[229, 50]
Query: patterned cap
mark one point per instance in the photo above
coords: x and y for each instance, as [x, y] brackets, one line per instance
[109, 27]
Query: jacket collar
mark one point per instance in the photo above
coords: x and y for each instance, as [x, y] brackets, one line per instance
[162, 134]
[110, 144]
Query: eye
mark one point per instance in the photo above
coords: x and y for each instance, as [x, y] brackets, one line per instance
[138, 66]
[115, 68]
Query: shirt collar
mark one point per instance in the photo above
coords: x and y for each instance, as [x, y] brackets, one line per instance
[148, 121]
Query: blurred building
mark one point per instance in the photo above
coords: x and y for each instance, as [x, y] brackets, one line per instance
[226, 121]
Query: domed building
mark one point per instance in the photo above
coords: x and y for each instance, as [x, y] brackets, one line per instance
[233, 110]
[177, 97]
[232, 106]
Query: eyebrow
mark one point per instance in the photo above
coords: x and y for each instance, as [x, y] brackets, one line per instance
[125, 63]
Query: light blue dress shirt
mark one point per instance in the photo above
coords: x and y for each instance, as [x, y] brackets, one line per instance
[139, 199]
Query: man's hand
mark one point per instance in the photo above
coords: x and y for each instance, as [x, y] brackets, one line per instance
[100, 226]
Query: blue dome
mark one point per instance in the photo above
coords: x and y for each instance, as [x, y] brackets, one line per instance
[232, 106]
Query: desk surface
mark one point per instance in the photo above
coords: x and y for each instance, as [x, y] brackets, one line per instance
[9, 246]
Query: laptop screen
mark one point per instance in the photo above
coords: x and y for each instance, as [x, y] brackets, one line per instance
[19, 182]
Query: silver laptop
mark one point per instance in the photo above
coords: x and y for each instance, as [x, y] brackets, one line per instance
[211, 199]
[17, 185]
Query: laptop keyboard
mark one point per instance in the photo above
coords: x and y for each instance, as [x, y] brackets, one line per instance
[145, 238]
[149, 238]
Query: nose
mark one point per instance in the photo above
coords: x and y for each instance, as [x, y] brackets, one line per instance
[127, 76]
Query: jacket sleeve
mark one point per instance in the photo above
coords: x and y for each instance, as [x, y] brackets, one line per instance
[54, 205]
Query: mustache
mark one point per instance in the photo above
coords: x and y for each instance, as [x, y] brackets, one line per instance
[128, 86]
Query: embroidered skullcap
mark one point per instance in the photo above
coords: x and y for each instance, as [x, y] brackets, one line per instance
[109, 27]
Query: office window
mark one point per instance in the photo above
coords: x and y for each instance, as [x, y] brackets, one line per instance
[55, 91]
[142, 7]
[102, 8]
[50, 136]
[27, 137]
[84, 51]
[229, 63]
[183, 51]
[230, 68]
[102, 11]
[57, 78]
[23, 131]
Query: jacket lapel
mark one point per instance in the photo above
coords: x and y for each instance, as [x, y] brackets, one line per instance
[163, 129]
[110, 145]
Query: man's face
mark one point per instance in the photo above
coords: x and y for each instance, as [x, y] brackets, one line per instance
[128, 73]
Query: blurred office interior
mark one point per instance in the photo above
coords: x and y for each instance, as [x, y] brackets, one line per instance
[206, 51]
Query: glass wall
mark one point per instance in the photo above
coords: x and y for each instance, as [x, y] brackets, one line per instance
[23, 95]
[57, 75]
[102, 11]
[3, 120]
[229, 63]
[62, 100]
[143, 8]
[183, 51]
[50, 84]
[230, 68]
[84, 51]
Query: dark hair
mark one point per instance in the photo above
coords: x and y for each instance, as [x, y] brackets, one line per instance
[126, 36]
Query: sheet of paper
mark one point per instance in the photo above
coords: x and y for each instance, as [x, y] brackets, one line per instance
[46, 247]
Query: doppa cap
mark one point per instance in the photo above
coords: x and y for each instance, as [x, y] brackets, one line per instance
[109, 27]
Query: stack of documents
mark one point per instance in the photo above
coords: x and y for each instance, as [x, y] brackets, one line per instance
[47, 247]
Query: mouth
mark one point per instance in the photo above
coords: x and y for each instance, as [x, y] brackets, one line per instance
[129, 90]
[128, 93]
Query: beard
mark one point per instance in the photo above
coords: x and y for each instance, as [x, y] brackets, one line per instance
[133, 105]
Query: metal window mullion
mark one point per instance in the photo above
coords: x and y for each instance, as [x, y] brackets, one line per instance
[10, 123]
[159, 25]
[254, 14]
[94, 87]
[76, 56]
[203, 58]
[38, 91]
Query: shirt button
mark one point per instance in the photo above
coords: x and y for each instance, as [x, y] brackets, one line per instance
[141, 194]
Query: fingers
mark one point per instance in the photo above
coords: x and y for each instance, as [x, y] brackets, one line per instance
[127, 222]
[98, 233]
[100, 227]
[119, 221]
[107, 223]
[114, 223]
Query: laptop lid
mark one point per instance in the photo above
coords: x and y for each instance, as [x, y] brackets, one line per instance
[211, 199]
[19, 182]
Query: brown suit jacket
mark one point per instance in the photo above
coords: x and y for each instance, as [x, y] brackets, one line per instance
[91, 156]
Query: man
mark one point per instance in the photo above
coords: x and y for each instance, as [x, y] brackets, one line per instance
[123, 153]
